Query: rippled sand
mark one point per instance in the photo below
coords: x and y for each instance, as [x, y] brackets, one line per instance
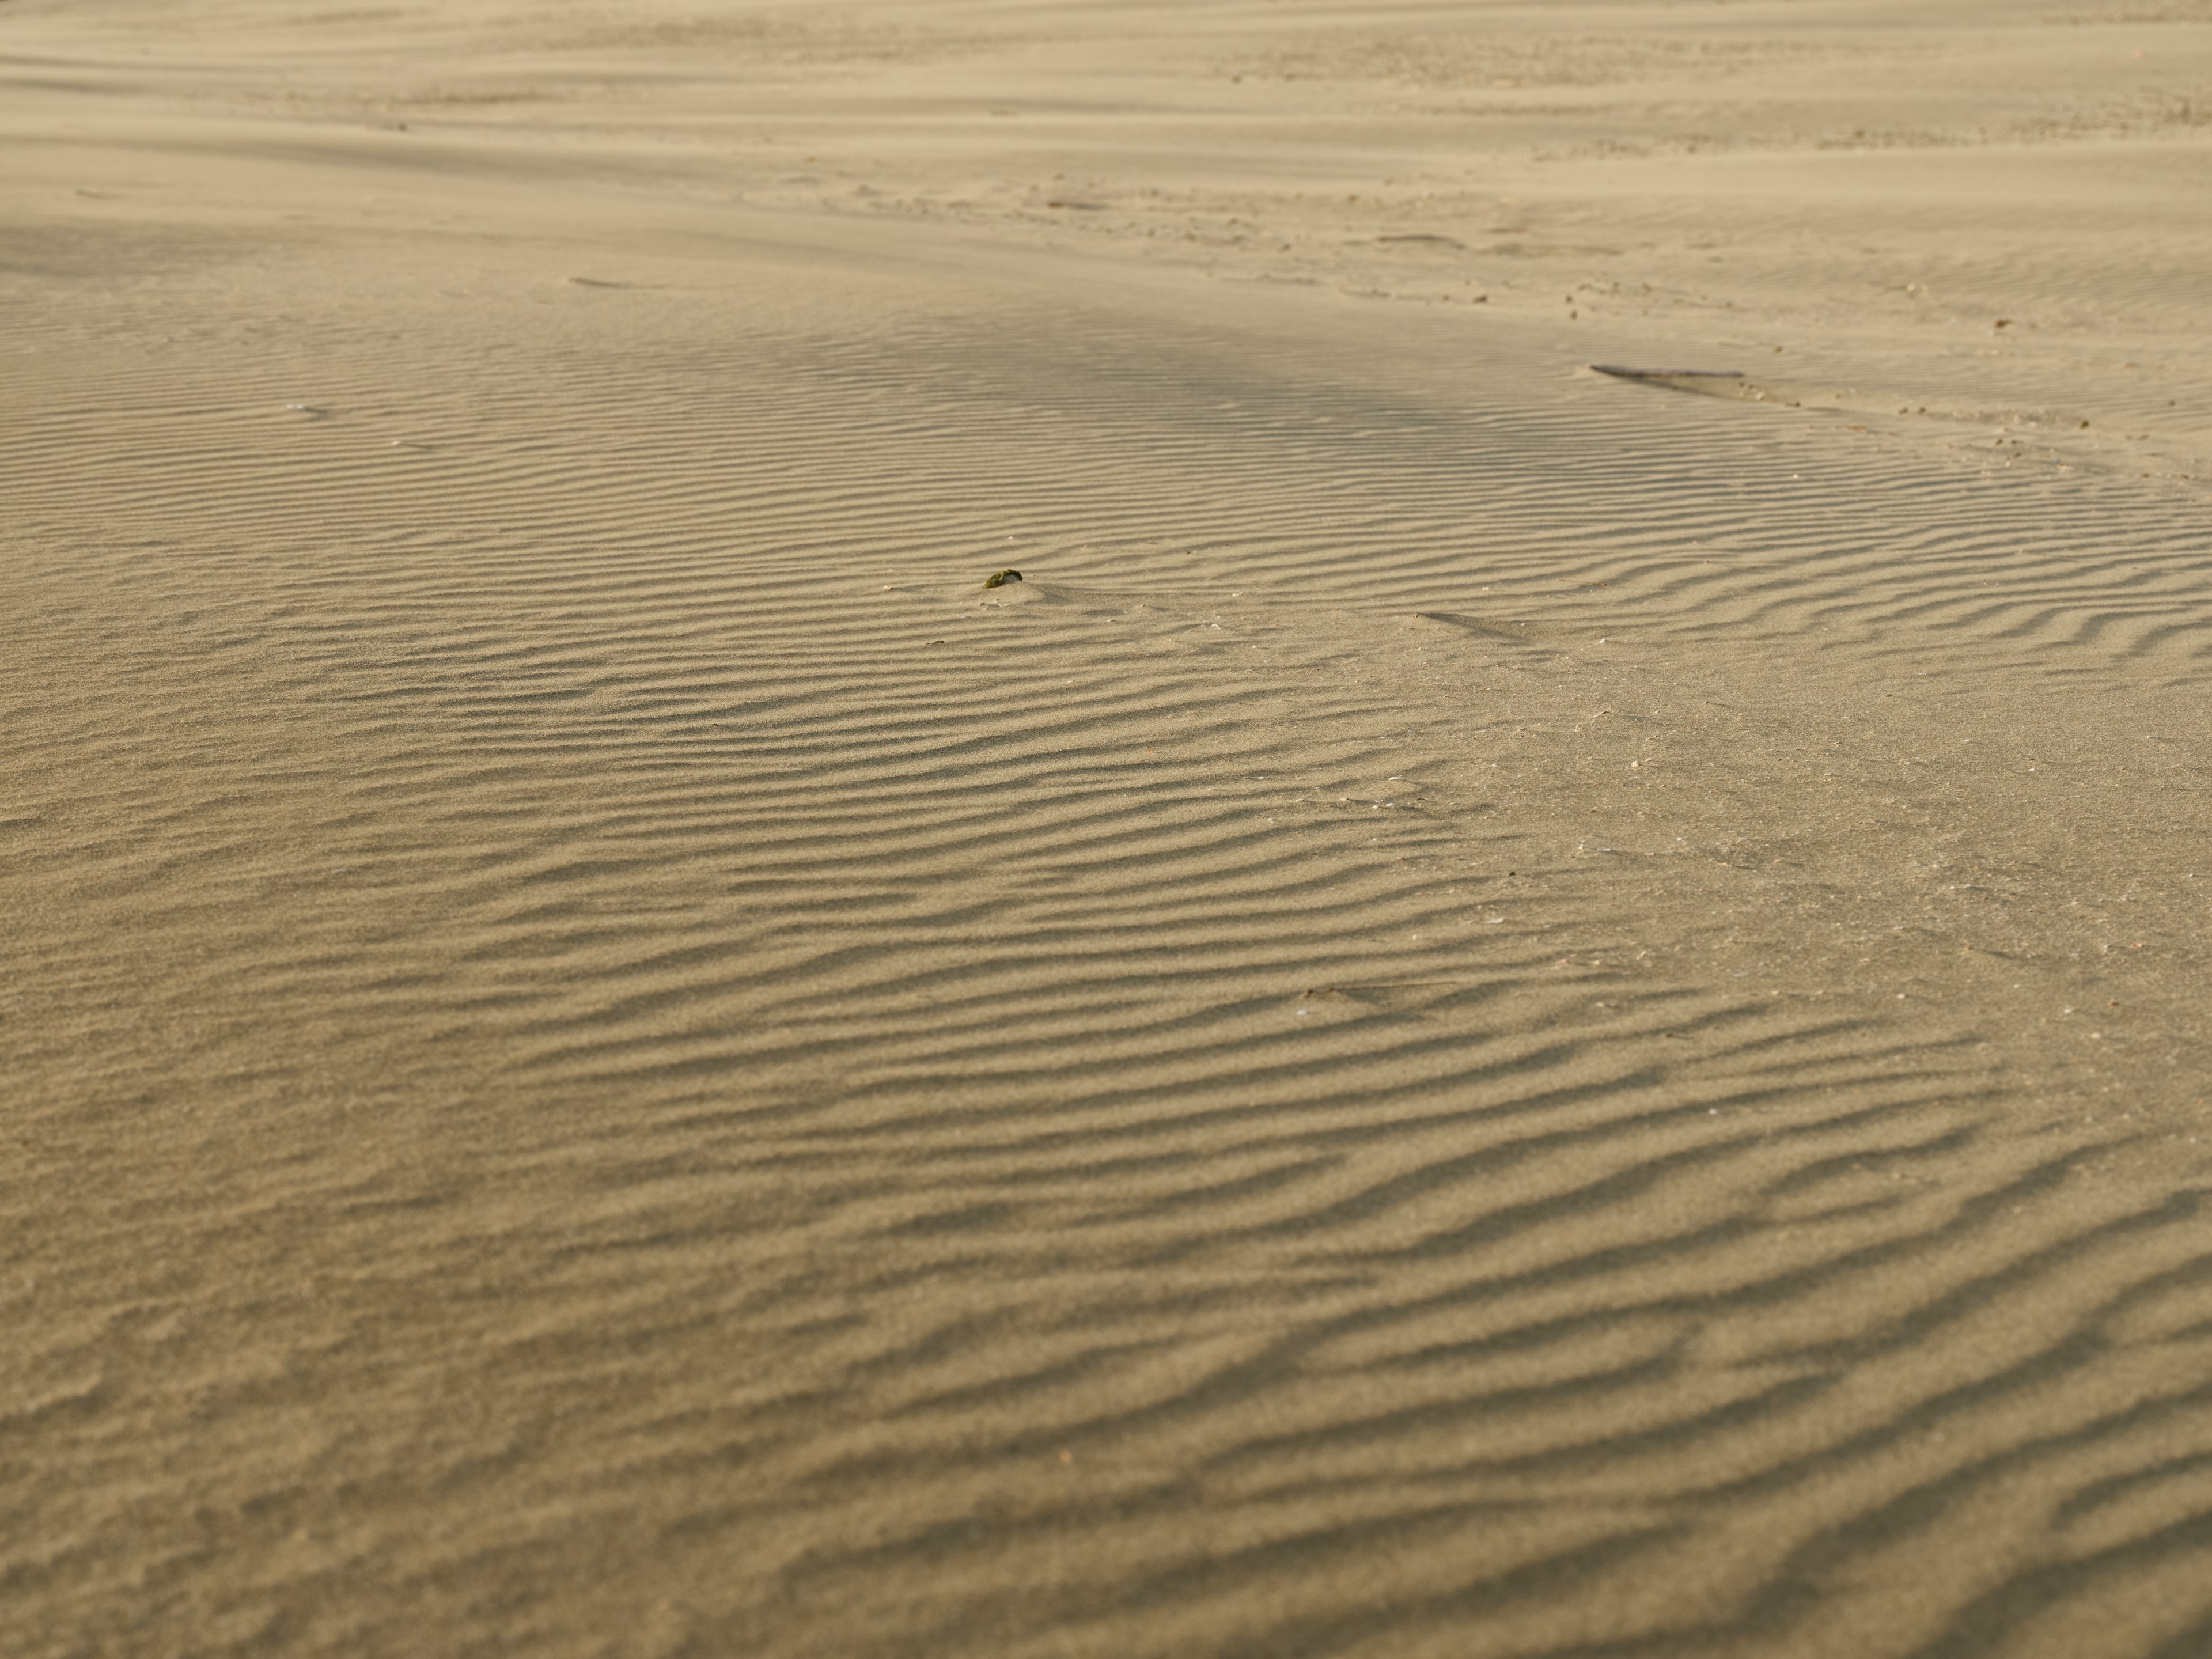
[1500, 1012]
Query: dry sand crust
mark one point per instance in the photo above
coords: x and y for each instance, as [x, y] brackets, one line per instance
[1500, 1012]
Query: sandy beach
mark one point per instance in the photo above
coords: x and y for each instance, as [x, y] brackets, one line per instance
[1502, 1010]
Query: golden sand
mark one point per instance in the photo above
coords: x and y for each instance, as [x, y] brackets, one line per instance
[1501, 1011]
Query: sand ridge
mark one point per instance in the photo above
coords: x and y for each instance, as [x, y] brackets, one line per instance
[1499, 1011]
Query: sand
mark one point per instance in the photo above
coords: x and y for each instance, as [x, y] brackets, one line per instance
[1500, 1011]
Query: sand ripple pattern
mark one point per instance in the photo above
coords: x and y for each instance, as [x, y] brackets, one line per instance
[702, 1078]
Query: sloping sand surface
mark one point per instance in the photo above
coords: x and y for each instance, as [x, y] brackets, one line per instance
[1501, 1011]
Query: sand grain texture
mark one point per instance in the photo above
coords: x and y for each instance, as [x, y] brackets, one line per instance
[1501, 1012]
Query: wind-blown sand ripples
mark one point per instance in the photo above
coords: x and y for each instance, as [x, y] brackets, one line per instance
[1440, 1035]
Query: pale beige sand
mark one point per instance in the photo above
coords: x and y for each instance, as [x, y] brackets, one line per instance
[1502, 1012]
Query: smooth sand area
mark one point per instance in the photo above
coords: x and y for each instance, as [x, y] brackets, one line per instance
[1502, 1011]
